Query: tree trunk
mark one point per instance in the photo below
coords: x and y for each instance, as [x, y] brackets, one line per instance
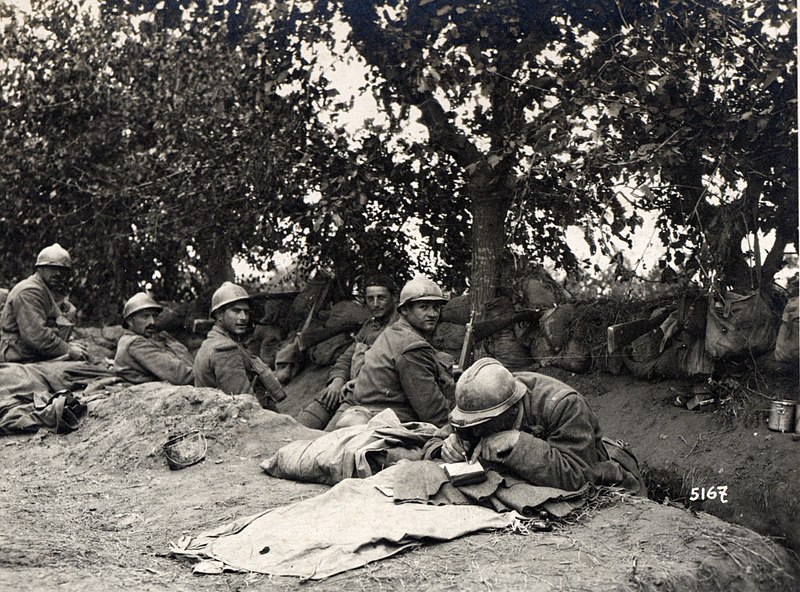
[488, 240]
[218, 260]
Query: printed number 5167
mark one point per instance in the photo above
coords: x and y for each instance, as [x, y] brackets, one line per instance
[710, 493]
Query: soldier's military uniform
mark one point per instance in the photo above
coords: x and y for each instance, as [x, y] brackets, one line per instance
[221, 363]
[402, 372]
[560, 443]
[29, 330]
[350, 362]
[161, 357]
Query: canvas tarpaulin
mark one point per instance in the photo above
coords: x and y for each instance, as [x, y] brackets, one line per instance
[357, 451]
[350, 525]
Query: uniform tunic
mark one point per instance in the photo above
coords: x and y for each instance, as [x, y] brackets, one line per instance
[560, 442]
[401, 372]
[221, 363]
[28, 324]
[347, 364]
[161, 357]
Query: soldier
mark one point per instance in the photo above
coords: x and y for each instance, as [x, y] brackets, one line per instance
[222, 361]
[33, 325]
[534, 425]
[380, 300]
[145, 355]
[402, 371]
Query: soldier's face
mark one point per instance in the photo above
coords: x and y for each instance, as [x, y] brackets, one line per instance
[55, 277]
[235, 318]
[143, 322]
[422, 315]
[379, 301]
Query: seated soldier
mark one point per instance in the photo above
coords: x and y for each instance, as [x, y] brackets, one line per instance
[379, 297]
[144, 355]
[33, 324]
[536, 426]
[402, 371]
[222, 361]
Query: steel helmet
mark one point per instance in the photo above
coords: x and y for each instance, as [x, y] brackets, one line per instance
[138, 302]
[54, 255]
[485, 390]
[420, 288]
[227, 293]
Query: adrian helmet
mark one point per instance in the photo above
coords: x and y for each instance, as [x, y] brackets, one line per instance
[226, 294]
[55, 255]
[485, 390]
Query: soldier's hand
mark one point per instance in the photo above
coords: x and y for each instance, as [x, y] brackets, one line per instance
[495, 447]
[332, 395]
[452, 451]
[77, 352]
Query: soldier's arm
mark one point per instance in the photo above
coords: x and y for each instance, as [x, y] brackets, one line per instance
[417, 369]
[161, 363]
[566, 457]
[341, 367]
[230, 371]
[32, 322]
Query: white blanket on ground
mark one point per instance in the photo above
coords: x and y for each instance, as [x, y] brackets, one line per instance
[356, 451]
[348, 526]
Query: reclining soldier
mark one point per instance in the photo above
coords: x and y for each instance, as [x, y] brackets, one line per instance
[146, 355]
[222, 361]
[34, 324]
[536, 426]
[402, 371]
[380, 300]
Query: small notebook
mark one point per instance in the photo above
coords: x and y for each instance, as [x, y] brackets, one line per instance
[464, 473]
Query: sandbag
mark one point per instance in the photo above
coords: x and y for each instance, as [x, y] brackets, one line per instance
[542, 352]
[541, 291]
[786, 345]
[575, 357]
[498, 307]
[456, 310]
[347, 312]
[506, 348]
[555, 325]
[739, 324]
[449, 337]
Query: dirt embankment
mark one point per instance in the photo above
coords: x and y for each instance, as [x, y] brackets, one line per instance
[725, 446]
[96, 509]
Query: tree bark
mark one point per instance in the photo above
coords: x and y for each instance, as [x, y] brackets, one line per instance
[218, 260]
[489, 211]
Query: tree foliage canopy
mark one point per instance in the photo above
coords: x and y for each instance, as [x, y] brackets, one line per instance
[157, 140]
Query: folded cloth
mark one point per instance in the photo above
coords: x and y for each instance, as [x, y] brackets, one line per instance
[357, 451]
[27, 412]
[426, 481]
[348, 526]
[49, 376]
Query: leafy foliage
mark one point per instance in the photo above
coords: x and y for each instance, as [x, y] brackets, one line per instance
[157, 140]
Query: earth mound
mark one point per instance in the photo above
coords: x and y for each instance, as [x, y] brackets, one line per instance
[97, 508]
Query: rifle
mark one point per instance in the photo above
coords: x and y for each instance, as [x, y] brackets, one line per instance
[465, 359]
[302, 339]
[272, 386]
[623, 333]
[484, 329]
[311, 337]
